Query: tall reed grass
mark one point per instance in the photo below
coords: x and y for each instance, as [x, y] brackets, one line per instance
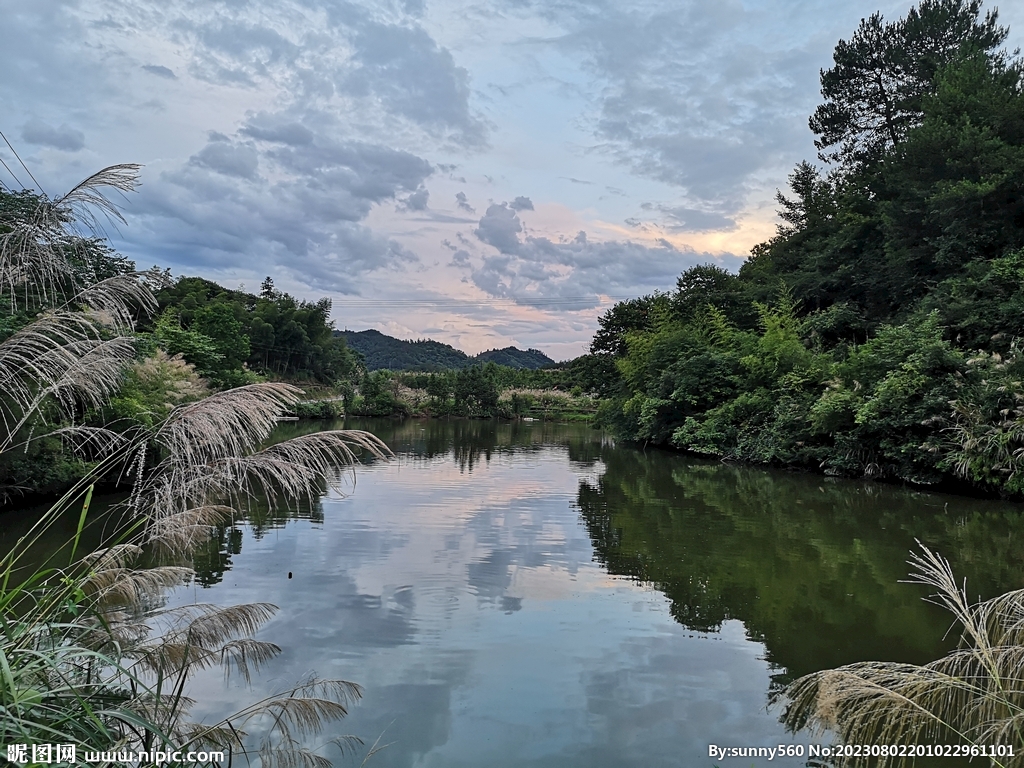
[89, 653]
[972, 696]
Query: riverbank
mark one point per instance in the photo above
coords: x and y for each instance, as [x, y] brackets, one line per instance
[528, 404]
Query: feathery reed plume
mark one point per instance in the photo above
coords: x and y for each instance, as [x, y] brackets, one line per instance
[88, 654]
[974, 695]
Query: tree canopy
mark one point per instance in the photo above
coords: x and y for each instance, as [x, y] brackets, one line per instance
[878, 332]
[225, 333]
[874, 94]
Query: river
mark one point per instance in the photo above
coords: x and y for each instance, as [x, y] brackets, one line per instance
[532, 594]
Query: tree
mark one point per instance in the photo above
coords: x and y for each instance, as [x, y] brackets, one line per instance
[267, 290]
[624, 317]
[217, 322]
[708, 284]
[873, 93]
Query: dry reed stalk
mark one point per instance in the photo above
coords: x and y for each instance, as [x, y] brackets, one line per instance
[89, 655]
[973, 695]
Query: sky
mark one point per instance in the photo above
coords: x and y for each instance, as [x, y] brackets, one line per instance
[482, 173]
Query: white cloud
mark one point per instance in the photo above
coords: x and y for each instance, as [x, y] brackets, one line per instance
[500, 227]
[303, 137]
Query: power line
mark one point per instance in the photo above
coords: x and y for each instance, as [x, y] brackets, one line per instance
[13, 175]
[38, 185]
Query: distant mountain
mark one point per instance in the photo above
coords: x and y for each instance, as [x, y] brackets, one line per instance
[514, 357]
[382, 351]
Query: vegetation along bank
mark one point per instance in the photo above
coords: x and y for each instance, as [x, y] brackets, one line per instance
[879, 332]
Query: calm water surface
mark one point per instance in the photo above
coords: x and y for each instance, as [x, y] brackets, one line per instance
[535, 595]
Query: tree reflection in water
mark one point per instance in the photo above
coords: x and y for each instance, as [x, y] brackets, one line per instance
[812, 566]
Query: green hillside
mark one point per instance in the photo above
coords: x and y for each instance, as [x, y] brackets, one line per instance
[381, 351]
[513, 357]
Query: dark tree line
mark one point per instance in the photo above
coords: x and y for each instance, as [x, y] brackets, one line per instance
[380, 351]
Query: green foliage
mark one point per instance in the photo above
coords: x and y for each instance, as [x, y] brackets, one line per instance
[513, 357]
[874, 93]
[218, 323]
[476, 390]
[50, 271]
[319, 409]
[496, 391]
[45, 467]
[595, 373]
[229, 336]
[381, 352]
[194, 347]
[152, 388]
[627, 317]
[986, 435]
[709, 285]
[90, 653]
[379, 396]
[876, 333]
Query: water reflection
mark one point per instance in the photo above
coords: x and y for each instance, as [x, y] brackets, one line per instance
[50, 545]
[533, 595]
[811, 566]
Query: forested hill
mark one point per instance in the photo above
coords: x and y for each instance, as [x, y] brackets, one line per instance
[513, 357]
[880, 332]
[381, 351]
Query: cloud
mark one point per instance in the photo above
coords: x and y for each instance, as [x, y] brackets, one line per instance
[521, 204]
[236, 50]
[411, 75]
[228, 158]
[385, 67]
[42, 134]
[703, 97]
[684, 219]
[417, 201]
[334, 114]
[538, 267]
[463, 202]
[305, 215]
[278, 129]
[500, 227]
[160, 71]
